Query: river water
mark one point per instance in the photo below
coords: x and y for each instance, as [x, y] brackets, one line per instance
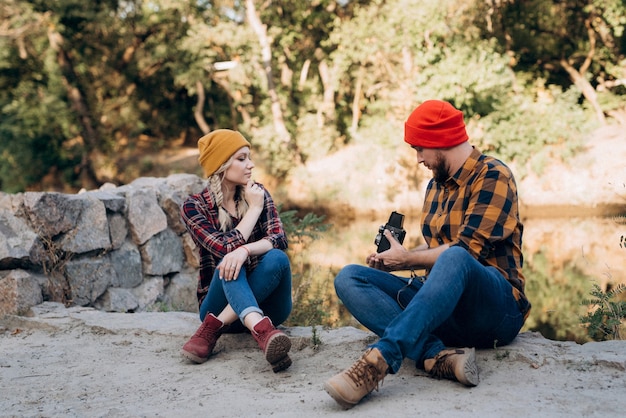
[563, 257]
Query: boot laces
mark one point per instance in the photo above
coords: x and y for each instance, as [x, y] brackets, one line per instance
[444, 366]
[207, 332]
[364, 373]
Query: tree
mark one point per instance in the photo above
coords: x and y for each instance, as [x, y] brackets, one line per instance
[107, 67]
[88, 90]
[580, 42]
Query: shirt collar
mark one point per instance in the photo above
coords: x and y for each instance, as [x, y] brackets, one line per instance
[466, 169]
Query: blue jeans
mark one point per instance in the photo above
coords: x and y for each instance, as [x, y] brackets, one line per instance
[461, 304]
[267, 290]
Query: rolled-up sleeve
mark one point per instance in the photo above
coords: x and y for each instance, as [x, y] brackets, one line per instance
[271, 227]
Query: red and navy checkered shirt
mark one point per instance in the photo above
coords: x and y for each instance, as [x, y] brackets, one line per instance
[201, 217]
[477, 209]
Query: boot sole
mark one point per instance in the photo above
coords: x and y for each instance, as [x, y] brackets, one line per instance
[470, 370]
[193, 357]
[337, 397]
[277, 352]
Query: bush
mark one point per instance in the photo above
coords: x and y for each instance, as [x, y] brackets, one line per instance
[604, 322]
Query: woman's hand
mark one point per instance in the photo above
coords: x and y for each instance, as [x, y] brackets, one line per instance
[255, 195]
[232, 264]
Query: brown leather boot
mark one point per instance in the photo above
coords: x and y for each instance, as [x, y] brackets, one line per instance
[274, 344]
[456, 364]
[353, 384]
[201, 344]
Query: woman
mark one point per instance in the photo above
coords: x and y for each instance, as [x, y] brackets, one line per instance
[244, 272]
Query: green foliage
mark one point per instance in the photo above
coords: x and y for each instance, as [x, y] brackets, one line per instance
[32, 128]
[307, 303]
[604, 321]
[160, 306]
[549, 124]
[307, 312]
[555, 293]
[315, 338]
[101, 82]
[500, 354]
[483, 87]
[298, 230]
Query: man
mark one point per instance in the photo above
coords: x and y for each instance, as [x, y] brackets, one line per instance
[473, 291]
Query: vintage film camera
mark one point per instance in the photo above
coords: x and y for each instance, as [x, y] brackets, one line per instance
[394, 225]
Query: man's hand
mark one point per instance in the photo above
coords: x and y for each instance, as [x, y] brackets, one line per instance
[395, 258]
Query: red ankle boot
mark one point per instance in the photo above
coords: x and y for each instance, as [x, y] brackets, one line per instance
[274, 344]
[199, 347]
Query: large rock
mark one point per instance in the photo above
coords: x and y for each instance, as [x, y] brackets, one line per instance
[149, 292]
[117, 299]
[16, 240]
[126, 262]
[180, 293]
[145, 216]
[163, 254]
[118, 229]
[51, 214]
[91, 230]
[120, 249]
[89, 278]
[19, 291]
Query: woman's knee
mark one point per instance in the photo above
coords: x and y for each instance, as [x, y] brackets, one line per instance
[276, 257]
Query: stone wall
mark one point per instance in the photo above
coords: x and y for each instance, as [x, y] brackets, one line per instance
[118, 249]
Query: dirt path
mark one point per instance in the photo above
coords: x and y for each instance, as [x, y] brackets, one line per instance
[81, 362]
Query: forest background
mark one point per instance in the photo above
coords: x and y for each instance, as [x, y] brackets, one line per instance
[88, 90]
[99, 92]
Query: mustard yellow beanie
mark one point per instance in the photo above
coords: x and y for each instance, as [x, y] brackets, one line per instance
[217, 147]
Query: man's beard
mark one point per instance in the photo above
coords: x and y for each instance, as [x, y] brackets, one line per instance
[441, 169]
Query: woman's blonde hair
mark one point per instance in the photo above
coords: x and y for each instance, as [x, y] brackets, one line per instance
[215, 185]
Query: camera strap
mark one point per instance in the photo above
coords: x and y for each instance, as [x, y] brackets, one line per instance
[415, 276]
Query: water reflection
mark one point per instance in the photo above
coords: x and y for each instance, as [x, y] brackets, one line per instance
[563, 258]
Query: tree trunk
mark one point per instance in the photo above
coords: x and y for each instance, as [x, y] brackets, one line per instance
[356, 106]
[578, 76]
[266, 58]
[327, 110]
[79, 104]
[198, 113]
[586, 88]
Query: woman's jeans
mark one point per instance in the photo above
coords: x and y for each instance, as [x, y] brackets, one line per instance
[461, 304]
[267, 290]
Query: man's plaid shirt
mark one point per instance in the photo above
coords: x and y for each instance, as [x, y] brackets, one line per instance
[477, 209]
[201, 217]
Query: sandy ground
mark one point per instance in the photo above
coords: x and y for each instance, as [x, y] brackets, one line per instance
[80, 362]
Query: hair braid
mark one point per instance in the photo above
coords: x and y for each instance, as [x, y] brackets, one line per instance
[242, 203]
[215, 184]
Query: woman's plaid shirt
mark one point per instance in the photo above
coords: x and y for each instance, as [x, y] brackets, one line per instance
[201, 217]
[477, 209]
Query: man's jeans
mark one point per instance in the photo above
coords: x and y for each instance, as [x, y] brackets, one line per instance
[461, 304]
[267, 290]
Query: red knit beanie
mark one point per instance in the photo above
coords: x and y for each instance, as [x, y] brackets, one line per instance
[435, 124]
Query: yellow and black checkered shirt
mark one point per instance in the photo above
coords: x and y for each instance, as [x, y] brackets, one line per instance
[477, 209]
